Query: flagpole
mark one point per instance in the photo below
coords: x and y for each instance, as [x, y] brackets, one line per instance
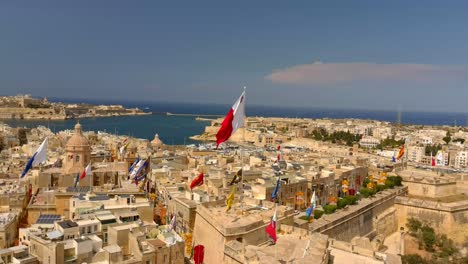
[242, 156]
[276, 228]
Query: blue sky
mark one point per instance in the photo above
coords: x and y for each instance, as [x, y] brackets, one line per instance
[388, 55]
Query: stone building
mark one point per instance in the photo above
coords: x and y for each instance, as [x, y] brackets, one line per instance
[8, 229]
[436, 200]
[77, 151]
[214, 228]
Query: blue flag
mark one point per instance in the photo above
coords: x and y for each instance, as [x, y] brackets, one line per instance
[28, 166]
[274, 195]
[309, 211]
[133, 164]
[393, 159]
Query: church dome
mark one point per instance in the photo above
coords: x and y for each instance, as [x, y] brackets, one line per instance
[78, 140]
[156, 141]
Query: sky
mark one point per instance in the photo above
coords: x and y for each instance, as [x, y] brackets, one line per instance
[376, 55]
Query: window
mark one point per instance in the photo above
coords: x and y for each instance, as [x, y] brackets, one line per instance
[77, 158]
[82, 230]
[95, 228]
[89, 229]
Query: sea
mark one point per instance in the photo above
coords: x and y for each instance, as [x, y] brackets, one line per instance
[177, 130]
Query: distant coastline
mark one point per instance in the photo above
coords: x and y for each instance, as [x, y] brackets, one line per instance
[26, 107]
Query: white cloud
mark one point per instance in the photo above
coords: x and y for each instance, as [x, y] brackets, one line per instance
[320, 73]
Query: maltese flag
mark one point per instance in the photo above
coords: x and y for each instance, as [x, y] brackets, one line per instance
[86, 172]
[234, 119]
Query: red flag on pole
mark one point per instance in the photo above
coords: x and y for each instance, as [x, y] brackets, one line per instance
[86, 172]
[198, 254]
[233, 120]
[197, 181]
[271, 228]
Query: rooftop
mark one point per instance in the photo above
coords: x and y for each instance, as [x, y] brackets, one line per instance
[237, 220]
[67, 224]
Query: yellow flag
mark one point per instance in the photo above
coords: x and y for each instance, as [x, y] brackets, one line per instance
[230, 199]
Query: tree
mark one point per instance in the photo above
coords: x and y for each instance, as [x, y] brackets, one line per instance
[351, 199]
[390, 183]
[342, 203]
[318, 214]
[366, 192]
[413, 226]
[398, 180]
[429, 237]
[432, 149]
[412, 259]
[329, 208]
[447, 138]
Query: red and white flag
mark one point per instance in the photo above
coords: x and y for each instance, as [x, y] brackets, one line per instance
[234, 119]
[197, 181]
[86, 172]
[271, 228]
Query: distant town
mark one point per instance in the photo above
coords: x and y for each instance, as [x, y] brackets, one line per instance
[29, 108]
[377, 193]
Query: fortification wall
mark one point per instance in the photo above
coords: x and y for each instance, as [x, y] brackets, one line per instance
[446, 218]
[358, 220]
[431, 189]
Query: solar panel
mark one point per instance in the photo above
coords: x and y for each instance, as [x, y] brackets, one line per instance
[99, 197]
[79, 189]
[48, 218]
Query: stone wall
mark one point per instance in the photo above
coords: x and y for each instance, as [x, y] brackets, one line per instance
[446, 218]
[432, 190]
[358, 220]
[30, 113]
[386, 223]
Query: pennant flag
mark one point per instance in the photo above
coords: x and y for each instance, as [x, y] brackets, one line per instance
[198, 254]
[440, 161]
[140, 178]
[133, 164]
[393, 159]
[278, 157]
[278, 148]
[137, 169]
[401, 152]
[122, 149]
[173, 223]
[230, 199]
[38, 157]
[86, 172]
[233, 120]
[271, 228]
[311, 209]
[237, 177]
[274, 195]
[77, 180]
[433, 162]
[197, 181]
